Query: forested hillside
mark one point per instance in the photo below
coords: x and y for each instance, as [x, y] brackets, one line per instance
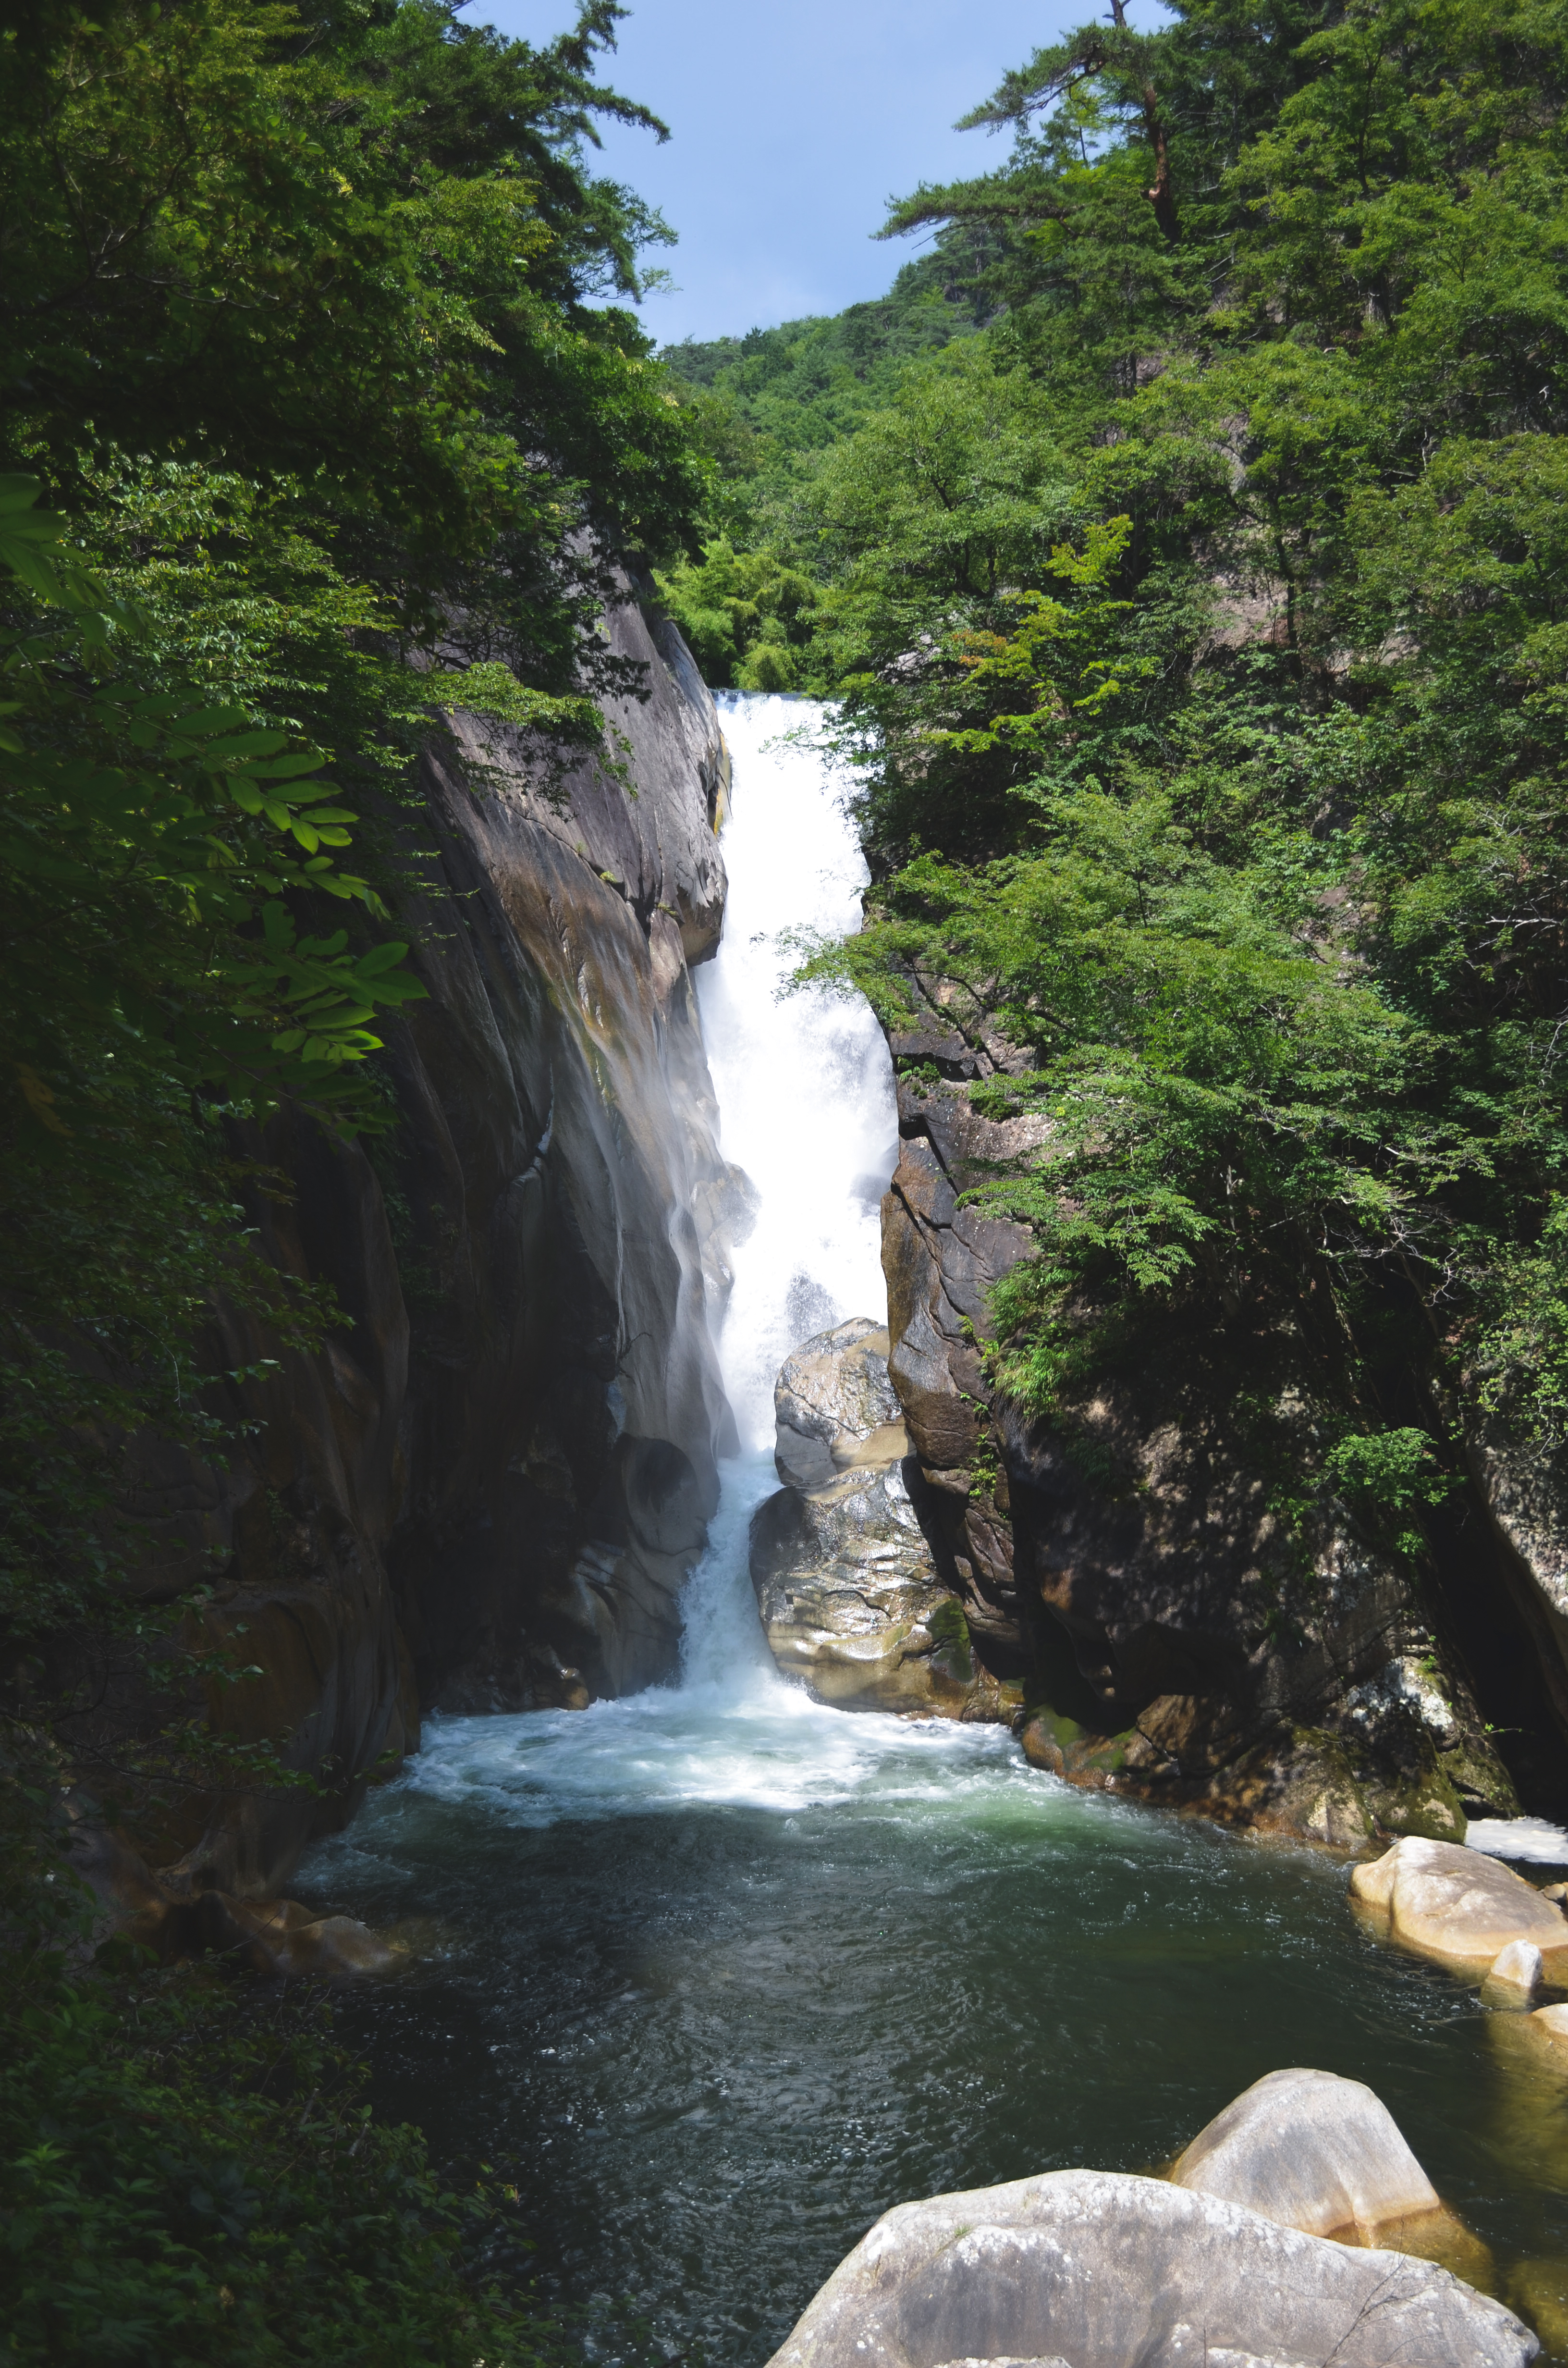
[320, 413]
[1197, 633]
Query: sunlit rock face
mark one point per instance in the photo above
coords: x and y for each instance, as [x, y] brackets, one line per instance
[1324, 2155]
[486, 1487]
[853, 1604]
[1462, 1908]
[1110, 2271]
[1176, 1638]
[834, 1407]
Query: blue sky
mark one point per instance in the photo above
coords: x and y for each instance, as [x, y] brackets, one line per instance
[791, 125]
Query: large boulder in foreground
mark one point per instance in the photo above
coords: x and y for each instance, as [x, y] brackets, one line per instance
[1325, 2155]
[1459, 1907]
[1104, 2270]
[852, 1602]
[1314, 2152]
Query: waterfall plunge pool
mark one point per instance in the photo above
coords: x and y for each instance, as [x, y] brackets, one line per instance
[715, 1975]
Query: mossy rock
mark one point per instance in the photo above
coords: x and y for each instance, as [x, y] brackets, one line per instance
[1061, 1745]
[1476, 1773]
[1425, 1804]
[954, 1655]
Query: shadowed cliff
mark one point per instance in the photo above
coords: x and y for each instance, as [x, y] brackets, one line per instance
[485, 1489]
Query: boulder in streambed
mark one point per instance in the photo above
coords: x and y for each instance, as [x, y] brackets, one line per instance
[1540, 2289]
[1324, 2155]
[1543, 2035]
[281, 1938]
[852, 1603]
[1106, 2271]
[1314, 2152]
[834, 1407]
[1515, 1975]
[1459, 1907]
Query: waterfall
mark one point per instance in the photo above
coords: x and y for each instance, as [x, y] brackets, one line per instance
[717, 1973]
[807, 1107]
[804, 1083]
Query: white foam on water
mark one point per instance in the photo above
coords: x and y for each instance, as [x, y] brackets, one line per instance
[1523, 1837]
[671, 1749]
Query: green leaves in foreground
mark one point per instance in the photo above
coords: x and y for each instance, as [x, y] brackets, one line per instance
[168, 846]
[189, 2173]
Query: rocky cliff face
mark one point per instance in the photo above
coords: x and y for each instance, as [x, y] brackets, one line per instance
[1176, 1638]
[487, 1486]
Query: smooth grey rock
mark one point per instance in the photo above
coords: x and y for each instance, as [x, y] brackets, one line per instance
[1106, 2271]
[1314, 2152]
[1457, 1906]
[851, 1601]
[834, 1405]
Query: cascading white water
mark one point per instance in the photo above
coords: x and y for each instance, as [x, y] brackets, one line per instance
[807, 1107]
[804, 1083]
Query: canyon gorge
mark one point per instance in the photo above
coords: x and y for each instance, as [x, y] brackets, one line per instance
[677, 1909]
[784, 1327]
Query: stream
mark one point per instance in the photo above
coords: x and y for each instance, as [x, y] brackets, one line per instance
[716, 1976]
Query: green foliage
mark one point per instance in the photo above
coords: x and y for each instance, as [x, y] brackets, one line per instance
[1388, 1468]
[762, 404]
[350, 256]
[155, 850]
[746, 617]
[189, 2173]
[343, 446]
[1387, 1473]
[764, 409]
[1247, 827]
[156, 867]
